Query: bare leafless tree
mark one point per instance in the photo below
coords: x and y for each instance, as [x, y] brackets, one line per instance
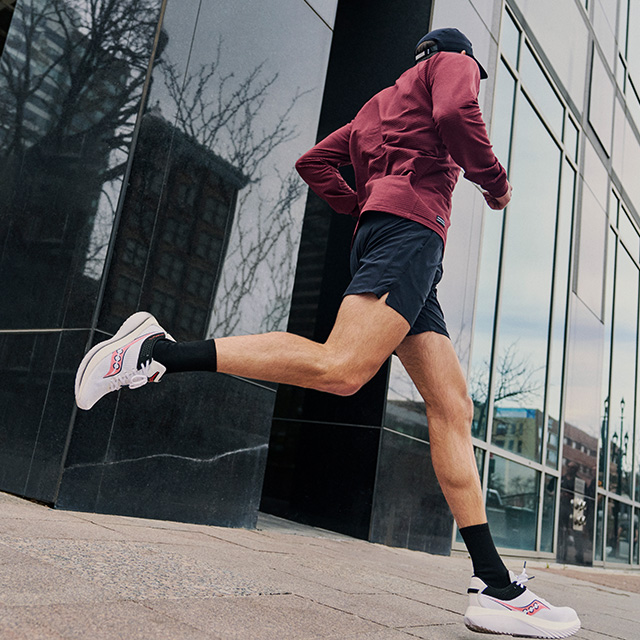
[516, 379]
[89, 58]
[270, 243]
[222, 112]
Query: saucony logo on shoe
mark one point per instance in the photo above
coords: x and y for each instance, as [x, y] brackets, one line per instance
[125, 360]
[118, 355]
[531, 609]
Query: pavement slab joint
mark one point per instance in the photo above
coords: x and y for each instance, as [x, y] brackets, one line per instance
[75, 575]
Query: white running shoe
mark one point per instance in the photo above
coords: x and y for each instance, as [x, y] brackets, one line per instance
[516, 611]
[122, 361]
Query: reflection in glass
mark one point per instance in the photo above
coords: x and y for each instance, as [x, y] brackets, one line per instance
[489, 260]
[6, 13]
[623, 370]
[68, 104]
[570, 138]
[404, 410]
[621, 73]
[512, 503]
[527, 271]
[633, 45]
[597, 553]
[188, 215]
[559, 310]
[591, 250]
[275, 96]
[623, 22]
[510, 39]
[548, 513]
[636, 554]
[215, 198]
[618, 531]
[628, 233]
[633, 100]
[480, 457]
[603, 443]
[539, 88]
[601, 95]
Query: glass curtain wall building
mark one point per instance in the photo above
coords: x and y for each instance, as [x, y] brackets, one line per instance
[553, 353]
[146, 162]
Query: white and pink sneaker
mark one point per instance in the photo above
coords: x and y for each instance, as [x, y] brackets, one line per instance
[122, 361]
[516, 611]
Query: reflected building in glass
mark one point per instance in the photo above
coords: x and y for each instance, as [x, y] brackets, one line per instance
[148, 164]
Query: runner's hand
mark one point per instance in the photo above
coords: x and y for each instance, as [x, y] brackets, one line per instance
[498, 203]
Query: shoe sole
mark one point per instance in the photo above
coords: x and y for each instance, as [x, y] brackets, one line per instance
[521, 625]
[134, 323]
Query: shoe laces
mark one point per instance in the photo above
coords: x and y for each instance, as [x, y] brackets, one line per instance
[523, 577]
[132, 379]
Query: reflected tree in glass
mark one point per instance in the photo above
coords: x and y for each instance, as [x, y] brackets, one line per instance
[221, 112]
[512, 503]
[517, 381]
[71, 80]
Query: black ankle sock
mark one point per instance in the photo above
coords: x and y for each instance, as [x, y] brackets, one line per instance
[487, 564]
[186, 356]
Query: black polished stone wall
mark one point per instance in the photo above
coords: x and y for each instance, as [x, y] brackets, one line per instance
[201, 221]
[164, 184]
[68, 114]
[331, 463]
[191, 449]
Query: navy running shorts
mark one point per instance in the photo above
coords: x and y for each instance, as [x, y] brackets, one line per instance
[401, 257]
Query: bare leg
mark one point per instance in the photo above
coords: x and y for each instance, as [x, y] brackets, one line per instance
[433, 365]
[365, 334]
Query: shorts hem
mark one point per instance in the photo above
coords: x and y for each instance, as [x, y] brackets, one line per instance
[378, 292]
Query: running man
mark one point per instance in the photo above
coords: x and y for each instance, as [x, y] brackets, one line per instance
[406, 145]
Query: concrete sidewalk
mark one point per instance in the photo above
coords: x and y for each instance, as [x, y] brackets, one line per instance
[79, 575]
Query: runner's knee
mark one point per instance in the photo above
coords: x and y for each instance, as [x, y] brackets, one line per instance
[348, 377]
[456, 405]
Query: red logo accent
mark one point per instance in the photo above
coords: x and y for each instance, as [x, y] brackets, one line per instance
[154, 376]
[117, 356]
[535, 606]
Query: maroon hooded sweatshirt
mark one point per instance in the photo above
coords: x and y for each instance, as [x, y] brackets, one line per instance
[407, 145]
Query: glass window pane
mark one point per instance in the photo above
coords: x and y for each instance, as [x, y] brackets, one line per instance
[72, 104]
[488, 270]
[601, 101]
[618, 532]
[510, 39]
[527, 271]
[591, 250]
[560, 289]
[622, 26]
[480, 457]
[633, 102]
[236, 124]
[479, 460]
[548, 513]
[606, 359]
[628, 233]
[571, 138]
[621, 73]
[539, 88]
[623, 374]
[636, 558]
[633, 42]
[595, 174]
[597, 553]
[512, 503]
